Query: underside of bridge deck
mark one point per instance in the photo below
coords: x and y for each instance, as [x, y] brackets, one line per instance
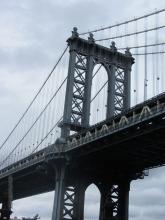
[124, 154]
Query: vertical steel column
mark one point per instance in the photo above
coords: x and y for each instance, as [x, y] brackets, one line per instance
[59, 192]
[88, 83]
[127, 82]
[69, 90]
[127, 88]
[7, 201]
[78, 92]
[119, 83]
[79, 200]
[111, 91]
[115, 201]
[109, 202]
[106, 210]
[123, 208]
[69, 195]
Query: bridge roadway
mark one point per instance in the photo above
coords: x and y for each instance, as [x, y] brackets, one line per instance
[126, 144]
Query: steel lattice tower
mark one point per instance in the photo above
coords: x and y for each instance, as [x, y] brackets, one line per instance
[70, 188]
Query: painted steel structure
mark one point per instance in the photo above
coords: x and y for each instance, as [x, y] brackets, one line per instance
[110, 154]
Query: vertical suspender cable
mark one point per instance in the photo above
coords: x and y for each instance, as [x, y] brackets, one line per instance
[126, 31]
[162, 70]
[31, 103]
[153, 71]
[145, 62]
[136, 68]
[156, 61]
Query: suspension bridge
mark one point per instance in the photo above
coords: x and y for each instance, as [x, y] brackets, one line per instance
[97, 118]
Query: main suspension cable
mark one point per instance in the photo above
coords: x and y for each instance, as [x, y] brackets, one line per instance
[142, 46]
[99, 91]
[130, 34]
[122, 23]
[148, 53]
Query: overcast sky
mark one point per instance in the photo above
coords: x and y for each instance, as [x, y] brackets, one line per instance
[33, 34]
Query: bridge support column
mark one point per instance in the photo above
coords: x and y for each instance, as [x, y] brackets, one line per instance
[79, 200]
[109, 202]
[114, 202]
[59, 193]
[69, 197]
[7, 198]
[123, 206]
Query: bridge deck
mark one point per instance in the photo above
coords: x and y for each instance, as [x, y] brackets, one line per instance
[125, 145]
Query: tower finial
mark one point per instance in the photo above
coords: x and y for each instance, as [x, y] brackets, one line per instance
[91, 38]
[113, 46]
[74, 32]
[127, 52]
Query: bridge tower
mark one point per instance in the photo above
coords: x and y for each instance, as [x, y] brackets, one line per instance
[70, 188]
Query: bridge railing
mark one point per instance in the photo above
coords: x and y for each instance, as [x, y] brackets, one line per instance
[132, 117]
[142, 113]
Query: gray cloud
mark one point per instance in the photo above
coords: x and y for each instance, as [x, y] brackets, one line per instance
[33, 34]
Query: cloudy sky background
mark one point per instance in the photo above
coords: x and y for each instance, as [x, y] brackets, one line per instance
[33, 34]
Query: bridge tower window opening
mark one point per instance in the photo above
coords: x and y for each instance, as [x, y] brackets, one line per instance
[98, 108]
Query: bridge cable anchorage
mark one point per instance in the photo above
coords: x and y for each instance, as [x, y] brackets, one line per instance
[29, 106]
[39, 116]
[123, 23]
[131, 34]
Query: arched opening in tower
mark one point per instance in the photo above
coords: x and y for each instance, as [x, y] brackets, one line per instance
[98, 106]
[92, 202]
